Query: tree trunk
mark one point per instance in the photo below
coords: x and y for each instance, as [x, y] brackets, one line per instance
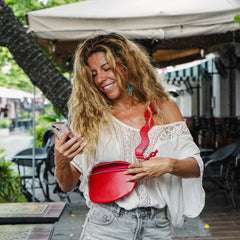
[41, 71]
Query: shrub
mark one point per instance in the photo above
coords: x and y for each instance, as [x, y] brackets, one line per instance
[5, 123]
[43, 124]
[10, 186]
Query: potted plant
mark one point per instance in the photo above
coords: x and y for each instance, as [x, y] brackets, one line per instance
[10, 186]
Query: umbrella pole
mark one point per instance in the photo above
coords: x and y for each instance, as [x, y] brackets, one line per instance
[33, 148]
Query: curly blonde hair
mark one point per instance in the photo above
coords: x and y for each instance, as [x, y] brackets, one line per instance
[88, 107]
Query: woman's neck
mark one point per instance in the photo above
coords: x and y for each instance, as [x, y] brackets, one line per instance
[125, 104]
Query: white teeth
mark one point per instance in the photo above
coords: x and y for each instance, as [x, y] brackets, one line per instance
[108, 86]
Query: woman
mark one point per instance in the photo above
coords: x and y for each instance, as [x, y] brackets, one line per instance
[114, 84]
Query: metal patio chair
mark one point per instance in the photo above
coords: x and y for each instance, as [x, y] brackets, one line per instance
[217, 169]
[235, 171]
[24, 161]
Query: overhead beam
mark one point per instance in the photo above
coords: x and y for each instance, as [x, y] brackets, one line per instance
[163, 52]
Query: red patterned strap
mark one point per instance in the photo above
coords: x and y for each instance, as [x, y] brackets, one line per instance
[144, 135]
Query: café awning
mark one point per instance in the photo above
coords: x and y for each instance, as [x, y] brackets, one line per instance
[139, 19]
[172, 29]
[14, 93]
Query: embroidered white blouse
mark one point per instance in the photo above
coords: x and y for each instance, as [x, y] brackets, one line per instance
[183, 197]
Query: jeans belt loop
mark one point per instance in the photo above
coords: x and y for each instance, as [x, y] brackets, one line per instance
[153, 212]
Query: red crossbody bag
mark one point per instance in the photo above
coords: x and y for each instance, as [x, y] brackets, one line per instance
[107, 181]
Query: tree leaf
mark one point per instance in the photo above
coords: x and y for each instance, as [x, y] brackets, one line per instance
[237, 19]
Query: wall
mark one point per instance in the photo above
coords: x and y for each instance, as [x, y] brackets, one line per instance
[221, 94]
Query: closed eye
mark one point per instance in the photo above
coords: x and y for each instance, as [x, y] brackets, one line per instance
[107, 69]
[94, 75]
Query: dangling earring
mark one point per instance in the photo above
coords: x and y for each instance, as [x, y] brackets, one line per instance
[130, 89]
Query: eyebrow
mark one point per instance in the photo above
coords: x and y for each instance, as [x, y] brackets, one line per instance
[101, 66]
[104, 64]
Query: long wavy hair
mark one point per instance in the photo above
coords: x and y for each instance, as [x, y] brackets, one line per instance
[88, 107]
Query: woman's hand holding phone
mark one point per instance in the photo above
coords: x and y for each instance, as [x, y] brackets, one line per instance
[59, 128]
[67, 146]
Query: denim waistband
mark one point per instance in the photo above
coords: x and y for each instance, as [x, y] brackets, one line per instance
[140, 211]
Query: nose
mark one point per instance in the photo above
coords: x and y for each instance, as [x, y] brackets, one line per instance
[100, 77]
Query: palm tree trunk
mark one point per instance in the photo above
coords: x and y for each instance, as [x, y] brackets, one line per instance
[41, 71]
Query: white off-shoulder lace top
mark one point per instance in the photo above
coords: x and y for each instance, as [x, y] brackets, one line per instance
[183, 197]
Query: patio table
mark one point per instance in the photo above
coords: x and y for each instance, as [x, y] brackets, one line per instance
[26, 232]
[30, 212]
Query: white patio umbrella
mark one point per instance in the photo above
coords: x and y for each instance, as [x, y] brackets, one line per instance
[139, 19]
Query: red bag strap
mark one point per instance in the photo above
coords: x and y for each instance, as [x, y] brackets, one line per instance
[144, 135]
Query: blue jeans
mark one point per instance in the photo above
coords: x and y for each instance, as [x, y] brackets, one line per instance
[110, 222]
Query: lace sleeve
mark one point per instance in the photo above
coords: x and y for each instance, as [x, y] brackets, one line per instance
[188, 192]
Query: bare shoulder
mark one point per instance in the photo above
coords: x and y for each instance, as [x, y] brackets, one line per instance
[170, 112]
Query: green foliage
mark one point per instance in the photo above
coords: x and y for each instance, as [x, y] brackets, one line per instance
[10, 187]
[237, 19]
[11, 75]
[43, 124]
[21, 7]
[54, 116]
[40, 128]
[4, 123]
[16, 77]
[25, 114]
[52, 3]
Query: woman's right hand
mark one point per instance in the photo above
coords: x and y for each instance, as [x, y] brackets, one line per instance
[65, 151]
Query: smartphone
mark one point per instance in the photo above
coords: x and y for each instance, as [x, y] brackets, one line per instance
[59, 128]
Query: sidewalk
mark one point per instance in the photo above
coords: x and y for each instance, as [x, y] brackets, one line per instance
[15, 142]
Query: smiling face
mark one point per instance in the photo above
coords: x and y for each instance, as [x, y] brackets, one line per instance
[104, 77]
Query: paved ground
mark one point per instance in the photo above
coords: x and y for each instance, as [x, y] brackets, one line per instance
[70, 224]
[15, 142]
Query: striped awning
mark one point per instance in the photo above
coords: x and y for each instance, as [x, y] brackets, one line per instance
[183, 79]
[192, 70]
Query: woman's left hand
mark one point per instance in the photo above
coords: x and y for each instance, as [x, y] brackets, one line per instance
[154, 167]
